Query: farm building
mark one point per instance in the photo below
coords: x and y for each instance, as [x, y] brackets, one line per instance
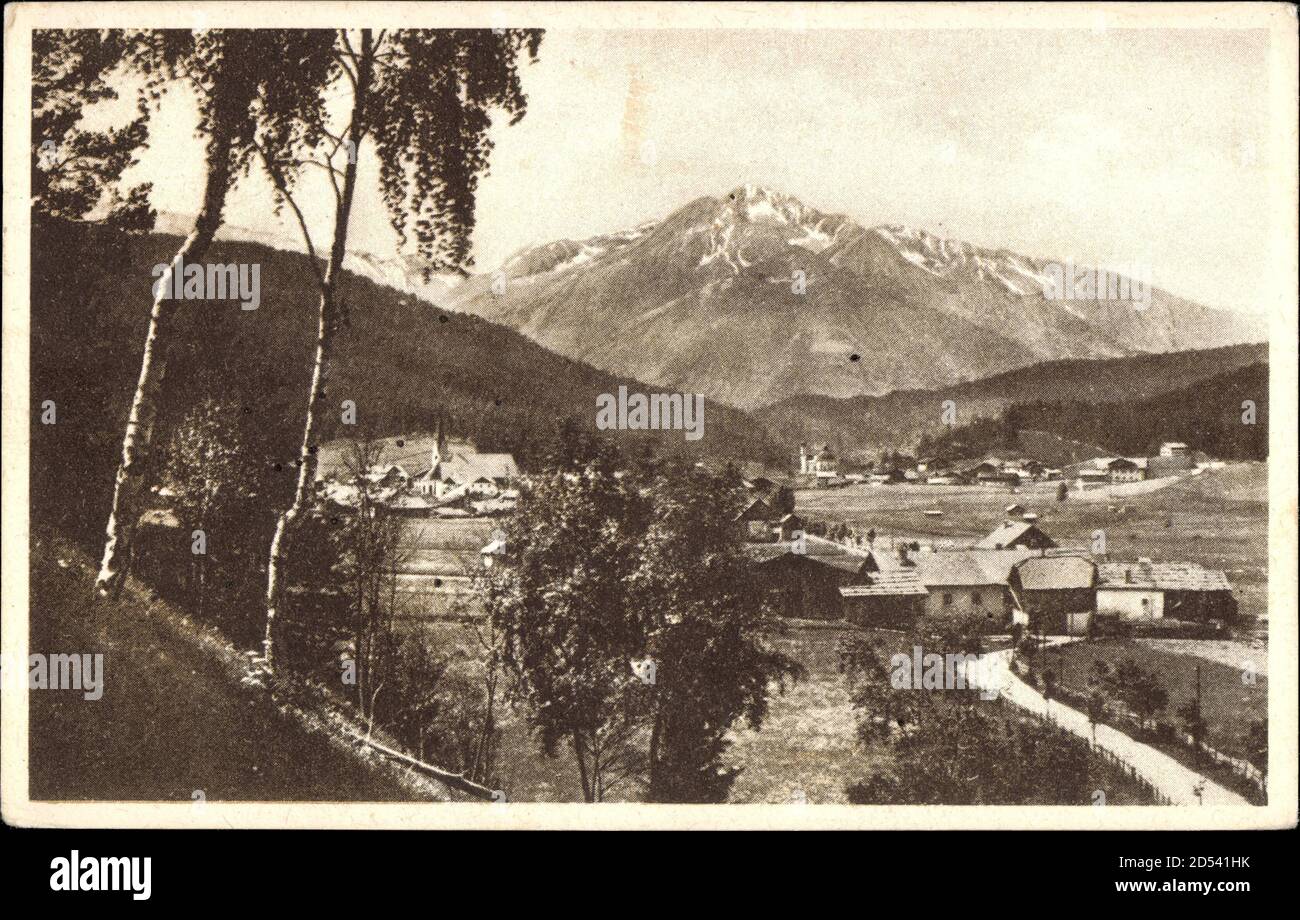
[1122, 469]
[1016, 535]
[889, 477]
[967, 582]
[1146, 590]
[754, 521]
[889, 599]
[803, 577]
[1056, 592]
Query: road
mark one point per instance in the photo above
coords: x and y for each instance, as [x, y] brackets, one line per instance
[1159, 769]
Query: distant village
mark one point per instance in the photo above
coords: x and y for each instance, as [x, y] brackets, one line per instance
[1016, 574]
[424, 477]
[820, 468]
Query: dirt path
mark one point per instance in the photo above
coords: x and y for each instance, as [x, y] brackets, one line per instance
[1169, 776]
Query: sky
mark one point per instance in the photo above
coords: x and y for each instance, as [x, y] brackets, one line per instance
[1105, 146]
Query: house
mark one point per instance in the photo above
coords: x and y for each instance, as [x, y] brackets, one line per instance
[1055, 592]
[1092, 476]
[492, 553]
[457, 468]
[1146, 590]
[888, 599]
[819, 462]
[789, 527]
[888, 477]
[754, 521]
[389, 477]
[1016, 535]
[968, 582]
[1174, 449]
[1122, 469]
[802, 577]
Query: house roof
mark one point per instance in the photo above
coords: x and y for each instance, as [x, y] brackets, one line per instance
[892, 583]
[757, 502]
[1006, 534]
[819, 549]
[1160, 576]
[968, 567]
[468, 466]
[410, 451]
[1056, 573]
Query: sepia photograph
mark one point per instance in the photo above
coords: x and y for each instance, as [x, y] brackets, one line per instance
[678, 416]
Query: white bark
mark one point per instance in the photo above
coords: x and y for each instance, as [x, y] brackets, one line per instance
[138, 438]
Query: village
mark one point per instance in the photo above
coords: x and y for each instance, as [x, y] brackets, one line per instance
[1059, 574]
[1016, 574]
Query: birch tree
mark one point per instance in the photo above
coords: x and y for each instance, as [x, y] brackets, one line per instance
[423, 101]
[226, 70]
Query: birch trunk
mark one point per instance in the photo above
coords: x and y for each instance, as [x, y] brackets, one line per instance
[320, 372]
[137, 440]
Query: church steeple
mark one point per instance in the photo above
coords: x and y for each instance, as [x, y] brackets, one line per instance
[439, 445]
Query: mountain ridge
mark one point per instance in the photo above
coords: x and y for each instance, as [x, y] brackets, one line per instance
[754, 296]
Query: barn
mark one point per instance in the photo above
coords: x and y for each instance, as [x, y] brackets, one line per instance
[802, 577]
[1016, 535]
[1056, 592]
[892, 599]
[1146, 590]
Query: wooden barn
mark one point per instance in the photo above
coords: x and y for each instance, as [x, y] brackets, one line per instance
[803, 577]
[1057, 593]
[1016, 535]
[1146, 590]
[892, 599]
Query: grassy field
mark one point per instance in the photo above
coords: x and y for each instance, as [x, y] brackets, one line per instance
[175, 721]
[1218, 518]
[1228, 704]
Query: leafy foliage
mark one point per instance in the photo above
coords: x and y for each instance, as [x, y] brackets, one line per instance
[76, 172]
[631, 624]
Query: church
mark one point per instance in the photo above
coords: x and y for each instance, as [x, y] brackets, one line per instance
[457, 468]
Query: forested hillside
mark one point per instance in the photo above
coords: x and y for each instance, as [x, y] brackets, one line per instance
[402, 361]
[868, 424]
[1213, 416]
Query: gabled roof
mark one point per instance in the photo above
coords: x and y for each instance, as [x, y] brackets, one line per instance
[758, 504]
[467, 466]
[968, 567]
[1056, 573]
[892, 583]
[819, 549]
[1160, 576]
[1007, 533]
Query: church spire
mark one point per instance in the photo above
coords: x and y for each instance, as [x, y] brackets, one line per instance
[439, 445]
